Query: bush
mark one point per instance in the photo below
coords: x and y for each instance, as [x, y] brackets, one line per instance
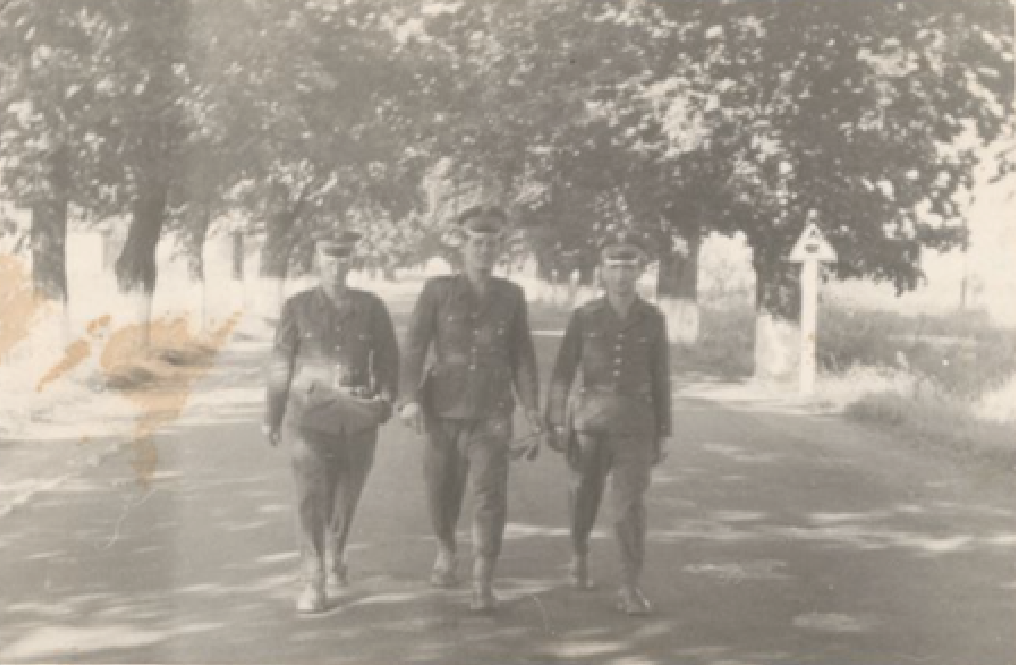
[726, 344]
[963, 354]
[939, 423]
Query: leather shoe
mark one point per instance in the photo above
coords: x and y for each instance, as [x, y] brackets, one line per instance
[631, 601]
[483, 586]
[338, 579]
[312, 599]
[578, 573]
[443, 575]
[483, 601]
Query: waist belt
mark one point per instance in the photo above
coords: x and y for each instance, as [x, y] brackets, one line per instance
[352, 391]
[468, 359]
[610, 389]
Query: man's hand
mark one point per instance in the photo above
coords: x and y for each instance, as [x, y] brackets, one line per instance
[386, 408]
[411, 415]
[272, 434]
[527, 447]
[556, 438]
[537, 425]
[662, 450]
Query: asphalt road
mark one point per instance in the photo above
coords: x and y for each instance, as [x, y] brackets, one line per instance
[777, 536]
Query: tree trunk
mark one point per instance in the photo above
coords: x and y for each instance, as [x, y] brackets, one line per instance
[109, 250]
[238, 256]
[588, 275]
[677, 287]
[279, 240]
[49, 233]
[275, 255]
[199, 234]
[777, 328]
[196, 262]
[136, 269]
[301, 254]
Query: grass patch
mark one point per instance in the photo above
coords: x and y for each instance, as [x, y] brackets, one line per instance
[940, 424]
[963, 354]
[925, 414]
[726, 344]
[947, 381]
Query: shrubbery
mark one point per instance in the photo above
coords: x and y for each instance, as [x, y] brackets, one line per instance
[726, 343]
[963, 355]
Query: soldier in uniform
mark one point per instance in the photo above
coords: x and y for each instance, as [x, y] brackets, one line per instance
[334, 347]
[477, 327]
[616, 419]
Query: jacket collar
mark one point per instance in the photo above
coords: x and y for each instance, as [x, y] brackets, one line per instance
[636, 313]
[463, 293]
[343, 308]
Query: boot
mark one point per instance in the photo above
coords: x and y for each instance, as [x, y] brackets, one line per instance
[338, 579]
[483, 586]
[631, 601]
[443, 575]
[312, 599]
[578, 572]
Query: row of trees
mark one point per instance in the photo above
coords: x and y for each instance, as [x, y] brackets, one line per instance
[678, 118]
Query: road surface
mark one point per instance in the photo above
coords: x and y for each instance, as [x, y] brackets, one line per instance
[777, 536]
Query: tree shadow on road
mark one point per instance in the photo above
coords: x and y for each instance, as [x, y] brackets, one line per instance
[764, 547]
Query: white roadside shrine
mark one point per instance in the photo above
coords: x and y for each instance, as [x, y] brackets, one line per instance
[810, 250]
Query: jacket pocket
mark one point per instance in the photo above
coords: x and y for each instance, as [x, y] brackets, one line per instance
[448, 385]
[612, 414]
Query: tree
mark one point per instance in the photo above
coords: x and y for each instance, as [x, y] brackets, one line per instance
[153, 80]
[51, 57]
[101, 87]
[864, 133]
[311, 98]
[805, 106]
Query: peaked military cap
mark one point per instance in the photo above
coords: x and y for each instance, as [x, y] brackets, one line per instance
[623, 247]
[337, 244]
[483, 219]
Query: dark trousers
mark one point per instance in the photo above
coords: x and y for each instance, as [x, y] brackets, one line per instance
[628, 462]
[330, 472]
[473, 451]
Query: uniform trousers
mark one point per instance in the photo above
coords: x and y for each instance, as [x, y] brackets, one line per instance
[627, 460]
[462, 451]
[330, 472]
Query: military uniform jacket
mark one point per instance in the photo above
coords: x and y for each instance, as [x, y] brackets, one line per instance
[627, 361]
[349, 343]
[481, 348]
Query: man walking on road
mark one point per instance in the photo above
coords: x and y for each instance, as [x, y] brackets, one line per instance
[617, 420]
[477, 327]
[332, 380]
